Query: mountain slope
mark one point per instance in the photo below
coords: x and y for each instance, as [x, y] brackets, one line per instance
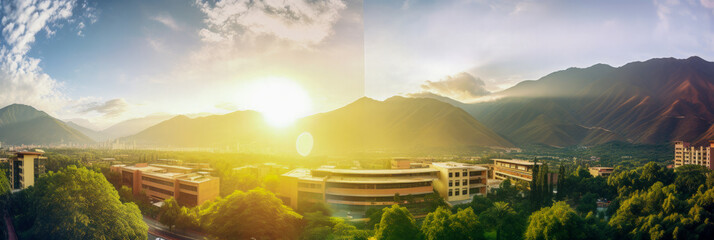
[651, 102]
[396, 124]
[133, 126]
[22, 124]
[94, 135]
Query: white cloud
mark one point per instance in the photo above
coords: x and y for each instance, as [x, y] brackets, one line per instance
[167, 21]
[303, 22]
[110, 109]
[21, 78]
[463, 87]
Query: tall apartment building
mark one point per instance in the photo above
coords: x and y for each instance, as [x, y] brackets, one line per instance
[25, 167]
[355, 191]
[459, 182]
[160, 182]
[686, 154]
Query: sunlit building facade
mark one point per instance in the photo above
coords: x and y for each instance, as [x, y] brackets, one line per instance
[601, 171]
[160, 182]
[459, 182]
[356, 190]
[25, 167]
[686, 154]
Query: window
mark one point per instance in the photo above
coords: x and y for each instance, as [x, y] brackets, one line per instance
[457, 183]
[464, 182]
[188, 187]
[464, 191]
[451, 192]
[457, 192]
[451, 175]
[466, 174]
[451, 183]
[457, 174]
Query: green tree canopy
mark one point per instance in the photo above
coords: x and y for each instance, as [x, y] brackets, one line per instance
[504, 220]
[397, 223]
[76, 203]
[254, 214]
[558, 222]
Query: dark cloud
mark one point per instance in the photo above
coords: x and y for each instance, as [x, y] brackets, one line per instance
[462, 87]
[111, 108]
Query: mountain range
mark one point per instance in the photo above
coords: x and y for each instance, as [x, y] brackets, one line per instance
[651, 102]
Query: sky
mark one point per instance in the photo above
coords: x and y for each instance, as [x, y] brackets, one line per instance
[466, 48]
[106, 61]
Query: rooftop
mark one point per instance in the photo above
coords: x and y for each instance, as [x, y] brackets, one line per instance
[516, 161]
[377, 171]
[450, 165]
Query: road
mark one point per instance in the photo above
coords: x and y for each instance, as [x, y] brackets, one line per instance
[158, 231]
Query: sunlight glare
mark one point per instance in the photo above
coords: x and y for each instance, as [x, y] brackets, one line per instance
[280, 100]
[304, 144]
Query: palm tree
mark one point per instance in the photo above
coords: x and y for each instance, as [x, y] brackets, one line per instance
[498, 216]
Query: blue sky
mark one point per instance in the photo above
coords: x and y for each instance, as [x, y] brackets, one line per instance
[106, 61]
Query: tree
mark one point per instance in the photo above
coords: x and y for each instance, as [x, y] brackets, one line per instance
[480, 204]
[465, 225]
[76, 203]
[271, 183]
[436, 225]
[254, 214]
[169, 212]
[504, 220]
[588, 203]
[689, 178]
[557, 222]
[4, 189]
[560, 195]
[374, 215]
[397, 223]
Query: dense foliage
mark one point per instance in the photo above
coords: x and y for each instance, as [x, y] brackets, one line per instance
[76, 203]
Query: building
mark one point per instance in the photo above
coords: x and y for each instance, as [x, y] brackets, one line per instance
[513, 169]
[160, 182]
[686, 154]
[350, 192]
[25, 167]
[458, 182]
[408, 163]
[262, 170]
[601, 171]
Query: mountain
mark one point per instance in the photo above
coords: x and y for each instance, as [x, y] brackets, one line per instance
[652, 102]
[22, 124]
[133, 126]
[97, 136]
[396, 124]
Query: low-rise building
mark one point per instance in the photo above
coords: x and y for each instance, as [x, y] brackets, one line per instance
[408, 163]
[513, 169]
[25, 167]
[459, 182]
[601, 171]
[160, 182]
[354, 191]
[686, 154]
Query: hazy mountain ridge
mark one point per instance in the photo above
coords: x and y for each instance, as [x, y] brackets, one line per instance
[23, 124]
[396, 124]
[651, 102]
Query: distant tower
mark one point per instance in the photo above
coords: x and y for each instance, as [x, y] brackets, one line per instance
[25, 167]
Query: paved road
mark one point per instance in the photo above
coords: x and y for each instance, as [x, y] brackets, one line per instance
[11, 235]
[158, 231]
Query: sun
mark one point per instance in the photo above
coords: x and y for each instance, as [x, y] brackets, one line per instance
[280, 100]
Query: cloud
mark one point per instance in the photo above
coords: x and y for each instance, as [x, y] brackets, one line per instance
[463, 87]
[305, 23]
[167, 21]
[21, 78]
[110, 109]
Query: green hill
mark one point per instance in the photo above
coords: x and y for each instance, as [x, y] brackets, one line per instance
[22, 124]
